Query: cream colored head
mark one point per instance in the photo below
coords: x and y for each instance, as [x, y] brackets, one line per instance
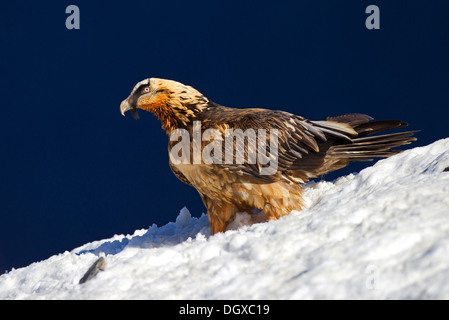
[169, 100]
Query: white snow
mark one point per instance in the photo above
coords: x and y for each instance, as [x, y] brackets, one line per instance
[379, 234]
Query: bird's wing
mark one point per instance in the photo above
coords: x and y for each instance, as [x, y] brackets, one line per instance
[301, 144]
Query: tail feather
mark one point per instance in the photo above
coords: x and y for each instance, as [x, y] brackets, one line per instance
[349, 138]
[384, 138]
[365, 146]
[374, 127]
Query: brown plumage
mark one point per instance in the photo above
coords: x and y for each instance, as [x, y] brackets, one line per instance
[306, 149]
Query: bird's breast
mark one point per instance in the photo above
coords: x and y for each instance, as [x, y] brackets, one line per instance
[207, 179]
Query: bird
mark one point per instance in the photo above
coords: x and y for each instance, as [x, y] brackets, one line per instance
[305, 149]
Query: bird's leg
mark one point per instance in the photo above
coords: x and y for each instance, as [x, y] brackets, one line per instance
[281, 207]
[271, 212]
[284, 198]
[220, 214]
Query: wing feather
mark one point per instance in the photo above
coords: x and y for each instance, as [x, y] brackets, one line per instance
[297, 137]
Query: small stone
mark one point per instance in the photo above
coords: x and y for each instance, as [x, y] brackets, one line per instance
[100, 264]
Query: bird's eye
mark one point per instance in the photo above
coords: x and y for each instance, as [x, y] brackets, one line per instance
[147, 89]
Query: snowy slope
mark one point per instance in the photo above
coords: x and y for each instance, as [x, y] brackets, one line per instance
[383, 233]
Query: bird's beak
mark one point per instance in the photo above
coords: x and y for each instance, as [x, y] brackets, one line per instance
[125, 106]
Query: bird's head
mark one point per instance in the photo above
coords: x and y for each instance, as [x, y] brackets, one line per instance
[174, 103]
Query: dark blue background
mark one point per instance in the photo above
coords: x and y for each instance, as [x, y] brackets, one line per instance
[73, 170]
